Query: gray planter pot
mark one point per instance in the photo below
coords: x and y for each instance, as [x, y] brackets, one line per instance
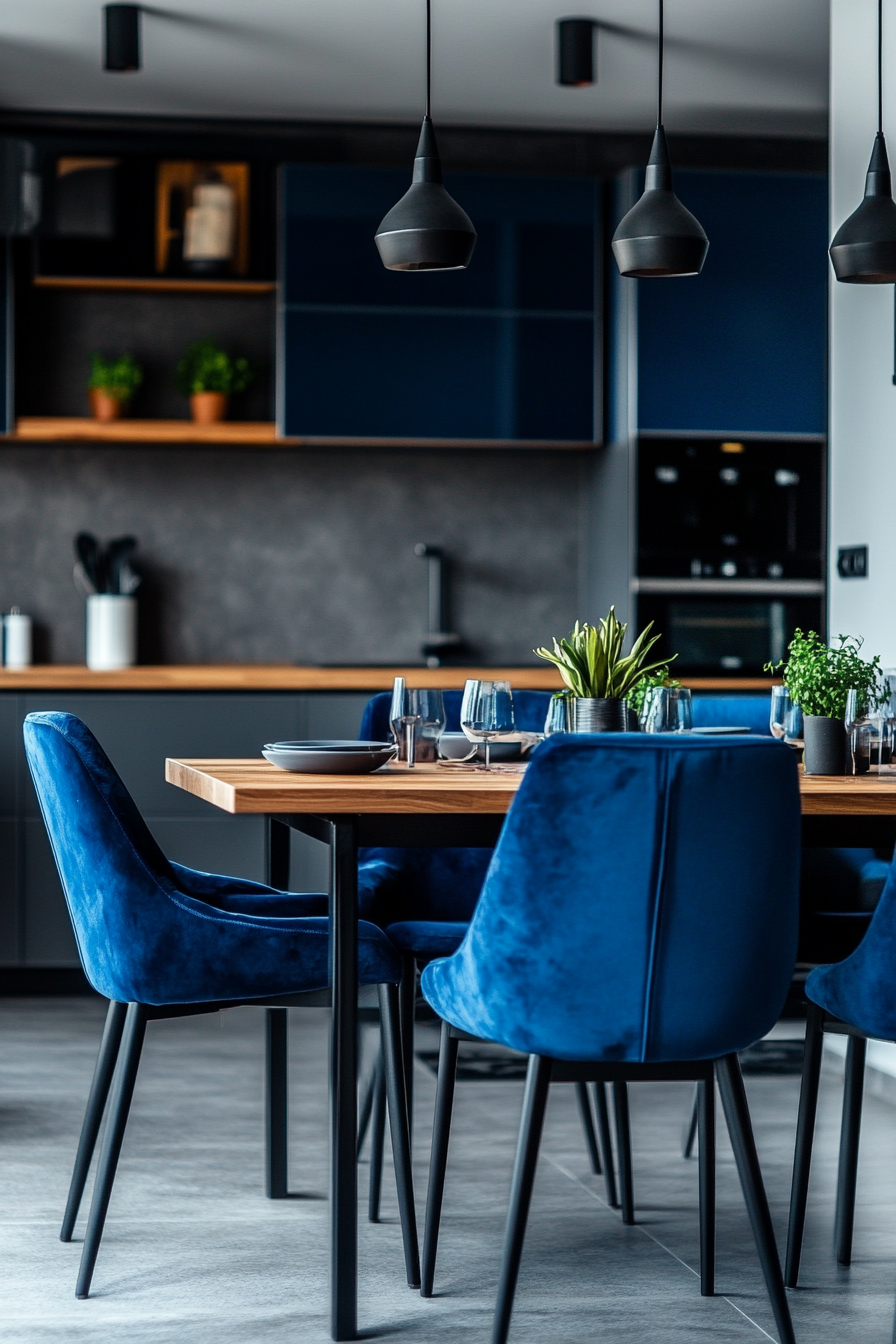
[825, 745]
[599, 716]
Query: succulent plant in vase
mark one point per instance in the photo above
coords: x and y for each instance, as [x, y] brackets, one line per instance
[597, 673]
[111, 385]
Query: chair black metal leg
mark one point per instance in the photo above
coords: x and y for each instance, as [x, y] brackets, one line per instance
[122, 1092]
[737, 1115]
[805, 1131]
[706, 1103]
[691, 1135]
[377, 1144]
[365, 1108]
[850, 1129]
[588, 1126]
[538, 1080]
[606, 1143]
[407, 998]
[624, 1149]
[276, 1103]
[399, 1127]
[93, 1115]
[438, 1160]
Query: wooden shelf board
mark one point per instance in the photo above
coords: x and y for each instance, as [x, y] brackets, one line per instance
[263, 677]
[156, 285]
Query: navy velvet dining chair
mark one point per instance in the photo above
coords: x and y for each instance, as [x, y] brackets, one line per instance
[638, 921]
[856, 998]
[160, 940]
[424, 899]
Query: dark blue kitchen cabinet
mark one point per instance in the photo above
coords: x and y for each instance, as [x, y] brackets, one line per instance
[506, 350]
[741, 347]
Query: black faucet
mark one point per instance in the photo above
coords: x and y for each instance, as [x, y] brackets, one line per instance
[439, 641]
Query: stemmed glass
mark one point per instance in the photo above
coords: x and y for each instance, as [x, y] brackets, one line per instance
[486, 712]
[416, 716]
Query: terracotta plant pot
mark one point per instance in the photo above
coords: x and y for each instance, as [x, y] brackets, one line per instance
[208, 407]
[104, 407]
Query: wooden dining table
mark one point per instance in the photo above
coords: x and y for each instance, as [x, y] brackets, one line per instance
[431, 805]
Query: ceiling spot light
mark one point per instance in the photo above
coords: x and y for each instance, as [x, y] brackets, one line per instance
[576, 62]
[658, 236]
[864, 248]
[122, 37]
[426, 230]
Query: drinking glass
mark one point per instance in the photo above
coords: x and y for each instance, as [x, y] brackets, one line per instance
[781, 712]
[667, 709]
[870, 739]
[486, 712]
[417, 718]
[680, 718]
[557, 720]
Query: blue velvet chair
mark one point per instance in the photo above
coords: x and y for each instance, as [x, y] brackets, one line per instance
[856, 998]
[638, 921]
[159, 940]
[424, 899]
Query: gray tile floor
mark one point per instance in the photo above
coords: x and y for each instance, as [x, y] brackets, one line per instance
[194, 1253]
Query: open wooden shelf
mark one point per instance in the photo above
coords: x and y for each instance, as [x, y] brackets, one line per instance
[150, 284]
[248, 434]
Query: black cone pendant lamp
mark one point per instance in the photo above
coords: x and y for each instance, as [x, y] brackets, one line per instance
[658, 236]
[426, 230]
[864, 248]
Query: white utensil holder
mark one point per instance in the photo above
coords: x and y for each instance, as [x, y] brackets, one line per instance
[111, 631]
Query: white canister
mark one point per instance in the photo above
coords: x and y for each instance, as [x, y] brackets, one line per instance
[111, 631]
[16, 639]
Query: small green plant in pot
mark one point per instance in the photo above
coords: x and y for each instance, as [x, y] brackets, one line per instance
[111, 385]
[597, 673]
[819, 678]
[208, 376]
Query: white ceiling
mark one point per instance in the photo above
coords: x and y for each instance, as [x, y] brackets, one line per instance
[736, 66]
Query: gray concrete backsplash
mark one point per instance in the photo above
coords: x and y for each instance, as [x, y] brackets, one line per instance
[282, 556]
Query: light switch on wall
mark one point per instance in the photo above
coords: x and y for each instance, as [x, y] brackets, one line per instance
[852, 562]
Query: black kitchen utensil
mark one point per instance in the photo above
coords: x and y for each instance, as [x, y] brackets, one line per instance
[88, 551]
[118, 554]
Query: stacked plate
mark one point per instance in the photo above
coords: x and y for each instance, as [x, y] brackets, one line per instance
[329, 756]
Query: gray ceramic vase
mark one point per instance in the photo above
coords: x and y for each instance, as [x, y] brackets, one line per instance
[599, 716]
[825, 745]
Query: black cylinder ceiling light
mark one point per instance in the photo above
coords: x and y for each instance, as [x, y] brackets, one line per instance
[122, 37]
[658, 236]
[426, 230]
[864, 248]
[575, 52]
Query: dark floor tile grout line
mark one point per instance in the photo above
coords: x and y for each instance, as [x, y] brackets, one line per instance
[577, 1180]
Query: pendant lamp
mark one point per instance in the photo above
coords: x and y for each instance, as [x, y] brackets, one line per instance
[864, 248]
[575, 52]
[426, 230]
[122, 34]
[658, 236]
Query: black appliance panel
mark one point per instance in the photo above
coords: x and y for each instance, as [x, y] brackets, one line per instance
[718, 509]
[718, 635]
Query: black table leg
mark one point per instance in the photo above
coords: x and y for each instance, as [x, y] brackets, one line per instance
[344, 1080]
[276, 1065]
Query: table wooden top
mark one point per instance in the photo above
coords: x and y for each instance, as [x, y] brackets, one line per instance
[242, 786]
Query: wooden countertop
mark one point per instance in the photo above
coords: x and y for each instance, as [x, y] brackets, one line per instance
[290, 677]
[253, 786]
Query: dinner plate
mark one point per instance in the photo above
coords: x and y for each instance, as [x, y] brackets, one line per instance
[714, 731]
[330, 762]
[327, 744]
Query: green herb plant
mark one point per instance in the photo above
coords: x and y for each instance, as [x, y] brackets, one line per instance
[591, 662]
[207, 368]
[818, 676]
[637, 695]
[118, 378]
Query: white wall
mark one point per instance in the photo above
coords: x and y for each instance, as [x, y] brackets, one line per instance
[862, 393]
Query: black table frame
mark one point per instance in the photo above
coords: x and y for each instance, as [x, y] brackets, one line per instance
[345, 833]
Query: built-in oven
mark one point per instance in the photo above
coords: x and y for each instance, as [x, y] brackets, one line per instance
[731, 551]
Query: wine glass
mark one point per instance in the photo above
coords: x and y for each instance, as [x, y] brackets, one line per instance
[557, 720]
[781, 712]
[417, 718]
[486, 712]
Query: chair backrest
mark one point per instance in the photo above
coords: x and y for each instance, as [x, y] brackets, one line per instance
[732, 711]
[111, 868]
[641, 904]
[530, 709]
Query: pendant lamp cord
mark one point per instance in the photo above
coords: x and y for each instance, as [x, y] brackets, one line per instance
[880, 65]
[426, 106]
[659, 79]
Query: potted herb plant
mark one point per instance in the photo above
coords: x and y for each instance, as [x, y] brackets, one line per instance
[208, 376]
[598, 675]
[819, 678]
[112, 385]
